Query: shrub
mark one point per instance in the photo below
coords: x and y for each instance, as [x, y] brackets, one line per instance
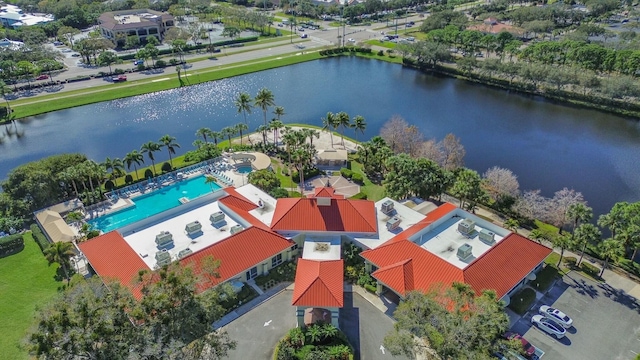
[161, 63]
[371, 288]
[39, 237]
[118, 71]
[346, 173]
[128, 179]
[166, 167]
[148, 174]
[173, 62]
[569, 261]
[79, 78]
[357, 178]
[278, 193]
[521, 301]
[380, 53]
[11, 243]
[589, 269]
[350, 273]
[109, 185]
[308, 173]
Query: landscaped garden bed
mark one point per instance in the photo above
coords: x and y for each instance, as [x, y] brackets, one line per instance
[246, 294]
[317, 341]
[282, 273]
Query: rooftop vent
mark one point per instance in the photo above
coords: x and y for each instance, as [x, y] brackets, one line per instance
[393, 223]
[466, 226]
[487, 237]
[163, 258]
[464, 252]
[193, 227]
[387, 207]
[322, 247]
[236, 229]
[323, 201]
[164, 239]
[217, 217]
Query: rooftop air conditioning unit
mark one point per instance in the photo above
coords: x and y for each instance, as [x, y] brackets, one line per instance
[387, 207]
[464, 252]
[163, 258]
[393, 223]
[193, 227]
[466, 226]
[217, 217]
[236, 229]
[487, 237]
[164, 239]
[184, 252]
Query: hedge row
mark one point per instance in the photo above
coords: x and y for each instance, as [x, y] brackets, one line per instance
[39, 237]
[353, 176]
[350, 49]
[11, 243]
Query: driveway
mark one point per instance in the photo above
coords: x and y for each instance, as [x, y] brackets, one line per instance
[365, 326]
[258, 331]
[606, 322]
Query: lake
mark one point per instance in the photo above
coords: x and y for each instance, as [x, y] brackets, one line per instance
[549, 146]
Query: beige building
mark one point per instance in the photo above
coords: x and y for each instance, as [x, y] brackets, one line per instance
[118, 25]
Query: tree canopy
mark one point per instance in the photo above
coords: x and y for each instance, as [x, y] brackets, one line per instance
[450, 322]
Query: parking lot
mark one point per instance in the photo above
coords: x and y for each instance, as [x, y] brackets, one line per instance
[258, 331]
[606, 322]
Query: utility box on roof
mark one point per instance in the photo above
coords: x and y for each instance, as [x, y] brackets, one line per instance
[164, 239]
[487, 237]
[464, 252]
[393, 223]
[387, 207]
[217, 217]
[236, 229]
[466, 226]
[193, 227]
[163, 258]
[184, 252]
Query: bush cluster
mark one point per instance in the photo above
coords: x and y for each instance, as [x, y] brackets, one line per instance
[11, 243]
[39, 237]
[308, 173]
[350, 49]
[353, 176]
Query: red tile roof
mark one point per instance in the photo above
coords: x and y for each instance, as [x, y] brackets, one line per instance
[325, 192]
[241, 206]
[404, 266]
[238, 253]
[304, 214]
[112, 258]
[319, 283]
[505, 264]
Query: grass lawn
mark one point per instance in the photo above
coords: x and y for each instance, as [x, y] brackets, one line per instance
[374, 192]
[521, 301]
[27, 281]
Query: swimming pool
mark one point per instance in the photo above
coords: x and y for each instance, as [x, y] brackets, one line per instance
[154, 203]
[244, 169]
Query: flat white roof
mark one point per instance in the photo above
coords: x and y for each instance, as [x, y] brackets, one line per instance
[444, 239]
[408, 217]
[257, 196]
[142, 241]
[321, 247]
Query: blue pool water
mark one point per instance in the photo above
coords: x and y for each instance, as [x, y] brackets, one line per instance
[154, 203]
[244, 169]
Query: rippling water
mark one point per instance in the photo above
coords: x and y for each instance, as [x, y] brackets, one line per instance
[549, 146]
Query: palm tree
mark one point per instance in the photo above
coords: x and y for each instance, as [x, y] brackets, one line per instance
[215, 135]
[278, 112]
[289, 140]
[584, 235]
[310, 134]
[170, 143]
[115, 165]
[197, 143]
[610, 249]
[228, 132]
[359, 124]
[204, 132]
[315, 333]
[579, 213]
[239, 128]
[263, 129]
[70, 174]
[210, 180]
[563, 242]
[343, 121]
[512, 225]
[243, 104]
[538, 235]
[263, 100]
[149, 148]
[327, 124]
[134, 158]
[329, 331]
[276, 125]
[299, 158]
[60, 253]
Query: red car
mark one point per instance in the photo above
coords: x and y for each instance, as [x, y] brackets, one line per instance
[528, 348]
[119, 78]
[42, 77]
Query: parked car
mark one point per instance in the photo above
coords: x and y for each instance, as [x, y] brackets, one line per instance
[57, 43]
[304, 36]
[138, 62]
[119, 78]
[42, 77]
[352, 40]
[556, 315]
[75, 55]
[526, 346]
[549, 326]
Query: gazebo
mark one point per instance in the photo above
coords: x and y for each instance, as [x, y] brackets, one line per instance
[318, 291]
